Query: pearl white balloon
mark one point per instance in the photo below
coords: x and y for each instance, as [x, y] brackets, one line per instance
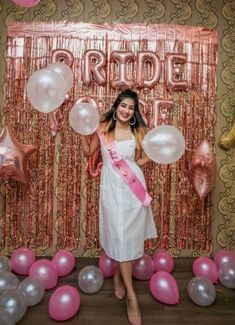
[5, 318]
[8, 280]
[164, 144]
[201, 291]
[45, 90]
[84, 118]
[90, 279]
[33, 290]
[14, 302]
[226, 274]
[64, 72]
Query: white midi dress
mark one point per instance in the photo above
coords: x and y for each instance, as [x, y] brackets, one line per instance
[124, 222]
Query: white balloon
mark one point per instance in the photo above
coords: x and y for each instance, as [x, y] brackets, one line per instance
[45, 90]
[164, 144]
[90, 279]
[33, 290]
[84, 118]
[64, 72]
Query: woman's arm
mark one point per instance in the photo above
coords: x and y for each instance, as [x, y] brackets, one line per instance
[140, 158]
[89, 148]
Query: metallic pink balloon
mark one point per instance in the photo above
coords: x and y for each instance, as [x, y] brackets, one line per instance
[163, 262]
[122, 59]
[22, 259]
[64, 303]
[204, 266]
[164, 288]
[14, 157]
[174, 80]
[144, 58]
[203, 169]
[143, 268]
[107, 265]
[93, 67]
[64, 262]
[223, 256]
[45, 271]
[26, 3]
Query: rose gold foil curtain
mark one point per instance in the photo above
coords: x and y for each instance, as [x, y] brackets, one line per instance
[59, 208]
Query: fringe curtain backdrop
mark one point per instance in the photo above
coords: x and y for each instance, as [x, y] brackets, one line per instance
[59, 207]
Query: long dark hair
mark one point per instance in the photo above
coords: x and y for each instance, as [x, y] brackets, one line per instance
[139, 129]
[108, 116]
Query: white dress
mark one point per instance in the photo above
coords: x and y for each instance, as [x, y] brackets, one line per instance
[124, 223]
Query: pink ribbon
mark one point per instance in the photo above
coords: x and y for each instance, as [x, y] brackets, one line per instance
[124, 170]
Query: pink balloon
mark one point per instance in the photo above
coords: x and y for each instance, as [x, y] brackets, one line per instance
[22, 259]
[223, 256]
[26, 3]
[122, 58]
[45, 271]
[64, 303]
[64, 262]
[164, 288]
[163, 262]
[204, 266]
[107, 265]
[94, 71]
[143, 268]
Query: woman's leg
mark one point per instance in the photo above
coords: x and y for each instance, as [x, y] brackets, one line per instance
[132, 303]
[119, 287]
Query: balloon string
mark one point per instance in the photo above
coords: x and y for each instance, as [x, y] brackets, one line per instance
[226, 296]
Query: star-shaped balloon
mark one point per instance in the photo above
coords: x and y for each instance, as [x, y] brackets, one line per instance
[14, 157]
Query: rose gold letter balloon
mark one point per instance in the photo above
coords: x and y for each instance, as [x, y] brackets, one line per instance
[160, 104]
[155, 69]
[123, 58]
[173, 82]
[203, 169]
[93, 66]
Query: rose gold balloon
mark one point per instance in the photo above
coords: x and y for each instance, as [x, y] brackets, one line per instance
[122, 58]
[159, 104]
[172, 82]
[93, 67]
[203, 169]
[61, 55]
[14, 157]
[143, 58]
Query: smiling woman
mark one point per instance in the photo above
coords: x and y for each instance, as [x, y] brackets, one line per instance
[125, 214]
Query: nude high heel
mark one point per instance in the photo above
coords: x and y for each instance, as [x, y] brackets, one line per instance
[134, 318]
[119, 291]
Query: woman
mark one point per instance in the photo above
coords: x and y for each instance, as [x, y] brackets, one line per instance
[125, 215]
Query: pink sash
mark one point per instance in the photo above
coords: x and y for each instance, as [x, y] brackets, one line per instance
[124, 170]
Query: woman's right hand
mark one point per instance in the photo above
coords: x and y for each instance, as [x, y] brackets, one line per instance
[89, 148]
